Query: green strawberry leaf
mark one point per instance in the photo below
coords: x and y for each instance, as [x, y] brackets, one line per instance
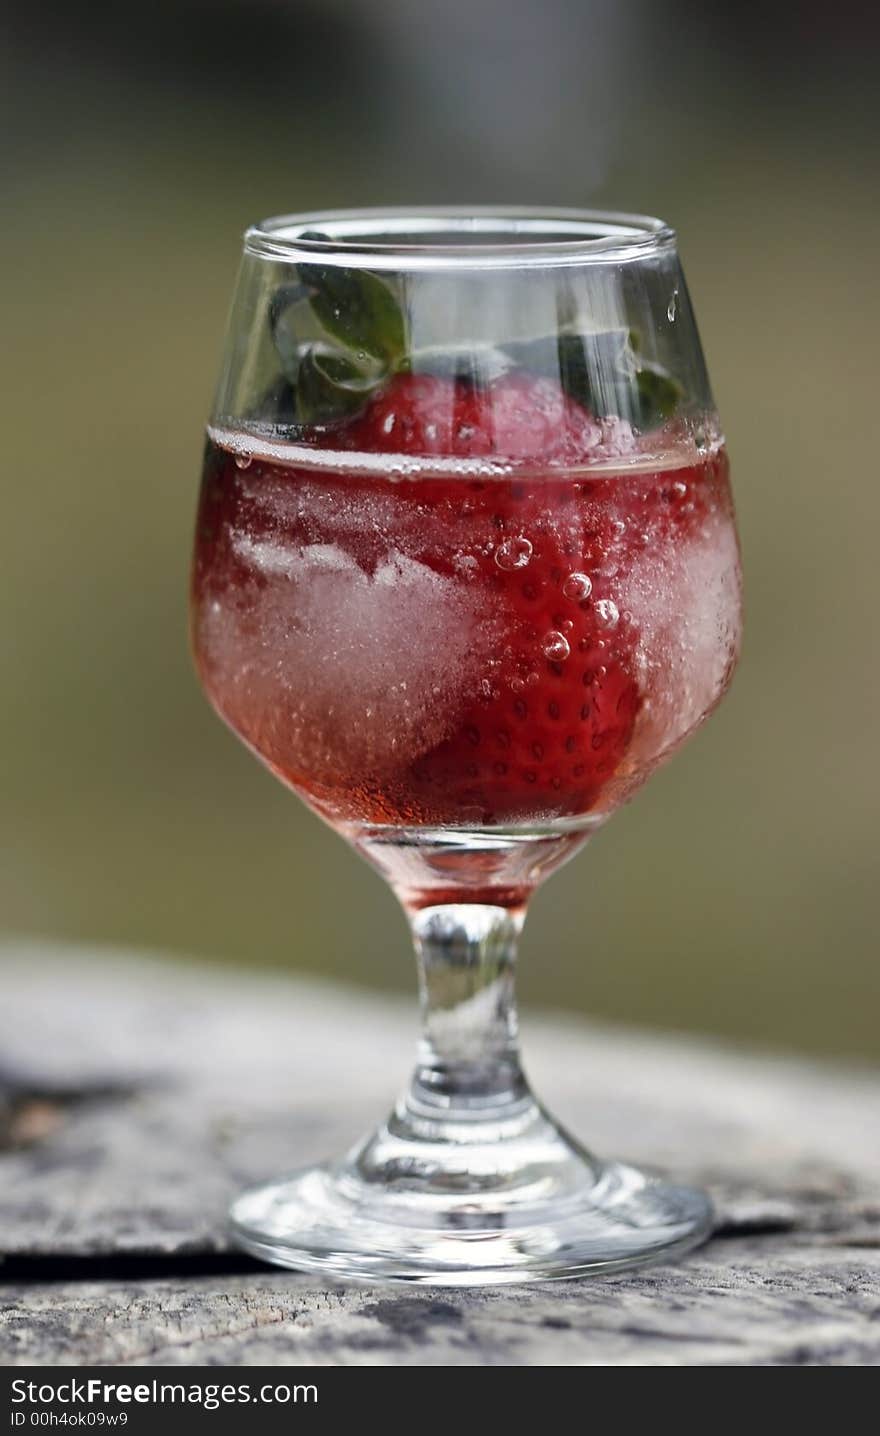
[291, 323]
[330, 385]
[275, 404]
[659, 395]
[604, 372]
[338, 333]
[357, 308]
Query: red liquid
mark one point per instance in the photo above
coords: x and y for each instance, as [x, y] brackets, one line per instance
[441, 649]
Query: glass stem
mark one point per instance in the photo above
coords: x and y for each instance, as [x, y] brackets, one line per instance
[468, 1066]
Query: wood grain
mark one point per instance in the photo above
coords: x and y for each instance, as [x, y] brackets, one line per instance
[138, 1096]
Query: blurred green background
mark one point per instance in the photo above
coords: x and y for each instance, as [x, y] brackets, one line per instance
[737, 895]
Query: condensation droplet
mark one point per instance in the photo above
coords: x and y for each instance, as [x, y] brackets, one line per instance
[607, 613]
[513, 553]
[578, 586]
[243, 461]
[670, 308]
[556, 646]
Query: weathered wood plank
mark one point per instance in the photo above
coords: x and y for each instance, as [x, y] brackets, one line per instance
[743, 1302]
[140, 1096]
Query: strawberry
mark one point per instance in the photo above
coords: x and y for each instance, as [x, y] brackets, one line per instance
[536, 706]
[519, 416]
[558, 701]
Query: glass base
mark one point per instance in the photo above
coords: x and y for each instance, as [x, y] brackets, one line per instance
[520, 1202]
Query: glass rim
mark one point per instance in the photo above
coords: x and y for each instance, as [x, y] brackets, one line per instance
[531, 237]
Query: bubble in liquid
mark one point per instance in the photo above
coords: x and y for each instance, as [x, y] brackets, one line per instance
[578, 586]
[618, 527]
[607, 613]
[243, 461]
[556, 646]
[679, 488]
[513, 553]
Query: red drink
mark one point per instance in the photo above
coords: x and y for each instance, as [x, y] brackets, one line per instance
[453, 642]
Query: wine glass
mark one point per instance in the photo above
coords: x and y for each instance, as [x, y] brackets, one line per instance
[466, 573]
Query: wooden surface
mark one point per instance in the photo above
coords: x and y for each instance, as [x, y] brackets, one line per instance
[136, 1097]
